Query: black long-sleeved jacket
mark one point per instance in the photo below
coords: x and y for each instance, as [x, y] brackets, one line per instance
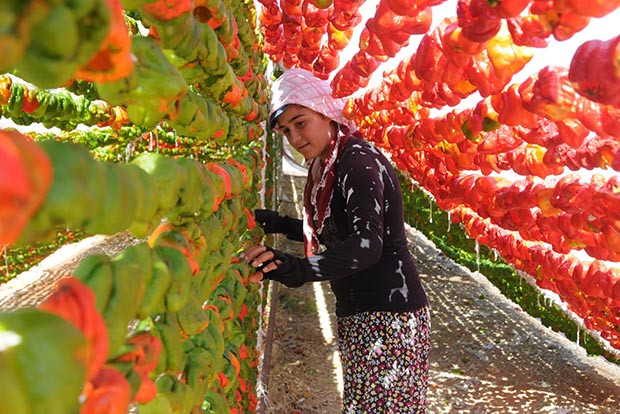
[366, 259]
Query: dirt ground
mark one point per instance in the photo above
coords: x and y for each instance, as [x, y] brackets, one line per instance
[488, 357]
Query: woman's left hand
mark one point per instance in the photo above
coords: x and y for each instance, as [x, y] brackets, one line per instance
[260, 258]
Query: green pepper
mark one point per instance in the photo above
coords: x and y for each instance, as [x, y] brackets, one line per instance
[63, 41]
[192, 318]
[38, 336]
[155, 291]
[212, 337]
[217, 402]
[181, 276]
[76, 192]
[96, 272]
[199, 116]
[145, 192]
[12, 389]
[168, 176]
[172, 353]
[198, 373]
[153, 88]
[190, 194]
[158, 405]
[119, 203]
[126, 295]
[178, 394]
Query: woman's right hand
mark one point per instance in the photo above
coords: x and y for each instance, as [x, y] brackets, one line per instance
[262, 259]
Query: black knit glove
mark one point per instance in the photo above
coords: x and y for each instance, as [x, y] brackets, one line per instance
[289, 271]
[270, 221]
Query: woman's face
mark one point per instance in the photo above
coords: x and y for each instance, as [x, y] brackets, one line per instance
[307, 131]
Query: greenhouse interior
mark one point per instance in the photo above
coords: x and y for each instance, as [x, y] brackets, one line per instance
[500, 120]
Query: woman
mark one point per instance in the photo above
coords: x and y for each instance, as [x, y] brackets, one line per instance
[353, 206]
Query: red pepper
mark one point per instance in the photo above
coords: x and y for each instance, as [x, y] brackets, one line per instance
[456, 47]
[426, 55]
[364, 64]
[477, 20]
[594, 71]
[510, 108]
[531, 30]
[594, 8]
[270, 15]
[508, 8]
[313, 15]
[566, 24]
[110, 393]
[550, 95]
[480, 72]
[25, 178]
[572, 132]
[30, 102]
[338, 39]
[164, 10]
[291, 7]
[113, 60]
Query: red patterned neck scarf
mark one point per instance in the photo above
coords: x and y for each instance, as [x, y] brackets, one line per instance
[318, 192]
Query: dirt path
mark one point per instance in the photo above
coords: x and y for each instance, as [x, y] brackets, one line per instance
[488, 357]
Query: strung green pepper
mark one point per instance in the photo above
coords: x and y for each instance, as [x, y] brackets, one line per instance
[126, 295]
[168, 175]
[192, 319]
[30, 373]
[153, 88]
[119, 202]
[181, 276]
[155, 290]
[63, 41]
[96, 272]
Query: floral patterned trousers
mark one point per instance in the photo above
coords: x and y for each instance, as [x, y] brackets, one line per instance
[385, 361]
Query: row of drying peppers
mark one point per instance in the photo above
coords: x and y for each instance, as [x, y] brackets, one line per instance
[422, 213]
[171, 78]
[190, 348]
[591, 289]
[294, 29]
[194, 345]
[198, 68]
[556, 119]
[56, 183]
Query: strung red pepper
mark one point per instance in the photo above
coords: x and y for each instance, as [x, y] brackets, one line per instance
[327, 60]
[594, 8]
[346, 14]
[595, 71]
[566, 24]
[25, 178]
[550, 95]
[477, 19]
[313, 15]
[113, 60]
[168, 9]
[109, 393]
[456, 46]
[291, 7]
[507, 8]
[510, 108]
[338, 39]
[531, 30]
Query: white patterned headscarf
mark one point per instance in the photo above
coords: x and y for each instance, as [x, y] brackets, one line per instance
[301, 87]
